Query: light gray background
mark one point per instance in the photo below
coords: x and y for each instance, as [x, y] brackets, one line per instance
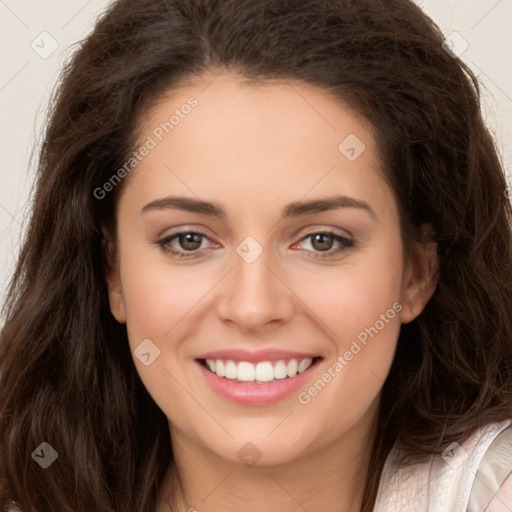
[27, 80]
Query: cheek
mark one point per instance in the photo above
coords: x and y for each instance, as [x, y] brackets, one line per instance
[359, 306]
[352, 297]
[157, 294]
[159, 301]
[363, 328]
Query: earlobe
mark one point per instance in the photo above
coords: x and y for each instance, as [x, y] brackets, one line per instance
[117, 304]
[113, 281]
[420, 280]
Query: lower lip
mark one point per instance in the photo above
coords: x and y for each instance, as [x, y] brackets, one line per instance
[256, 394]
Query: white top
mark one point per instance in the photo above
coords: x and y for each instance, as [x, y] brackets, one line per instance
[464, 478]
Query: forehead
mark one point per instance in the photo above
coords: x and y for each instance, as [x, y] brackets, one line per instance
[227, 101]
[273, 140]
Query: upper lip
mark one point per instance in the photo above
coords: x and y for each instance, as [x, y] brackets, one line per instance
[240, 354]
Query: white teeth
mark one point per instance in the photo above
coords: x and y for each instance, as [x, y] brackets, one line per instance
[291, 369]
[230, 370]
[264, 371]
[219, 368]
[246, 371]
[304, 364]
[280, 370]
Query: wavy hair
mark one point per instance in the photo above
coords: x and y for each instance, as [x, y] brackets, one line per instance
[66, 373]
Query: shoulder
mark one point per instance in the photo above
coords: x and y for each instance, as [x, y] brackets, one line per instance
[492, 487]
[445, 481]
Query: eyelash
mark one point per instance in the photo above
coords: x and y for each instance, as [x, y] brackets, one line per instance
[346, 244]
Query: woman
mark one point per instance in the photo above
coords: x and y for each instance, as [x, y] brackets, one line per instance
[269, 266]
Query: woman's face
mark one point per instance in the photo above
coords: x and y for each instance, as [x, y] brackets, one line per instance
[290, 259]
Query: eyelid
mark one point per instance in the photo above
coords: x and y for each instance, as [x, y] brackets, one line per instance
[321, 228]
[187, 228]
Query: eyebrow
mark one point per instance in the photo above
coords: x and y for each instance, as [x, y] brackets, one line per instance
[295, 209]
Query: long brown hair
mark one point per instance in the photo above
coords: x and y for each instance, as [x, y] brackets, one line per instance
[66, 373]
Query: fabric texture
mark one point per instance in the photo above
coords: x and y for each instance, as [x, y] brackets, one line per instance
[495, 468]
[445, 482]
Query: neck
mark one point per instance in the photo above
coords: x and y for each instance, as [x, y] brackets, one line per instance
[329, 479]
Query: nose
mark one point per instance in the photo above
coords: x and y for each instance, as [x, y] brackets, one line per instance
[255, 297]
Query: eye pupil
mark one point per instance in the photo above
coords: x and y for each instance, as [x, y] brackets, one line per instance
[190, 241]
[325, 240]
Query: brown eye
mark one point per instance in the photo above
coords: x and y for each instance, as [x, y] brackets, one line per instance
[322, 241]
[326, 244]
[183, 244]
[190, 241]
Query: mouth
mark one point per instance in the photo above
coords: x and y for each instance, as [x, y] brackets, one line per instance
[263, 372]
[260, 382]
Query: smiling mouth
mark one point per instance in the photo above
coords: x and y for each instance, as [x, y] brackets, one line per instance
[263, 372]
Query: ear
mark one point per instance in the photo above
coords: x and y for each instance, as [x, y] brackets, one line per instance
[421, 275]
[115, 293]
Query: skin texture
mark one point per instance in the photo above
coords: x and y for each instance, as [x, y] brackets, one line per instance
[502, 501]
[254, 148]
